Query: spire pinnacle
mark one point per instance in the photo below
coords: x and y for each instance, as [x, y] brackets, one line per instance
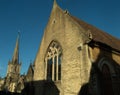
[55, 3]
[15, 58]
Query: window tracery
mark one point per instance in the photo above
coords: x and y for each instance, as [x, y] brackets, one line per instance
[53, 62]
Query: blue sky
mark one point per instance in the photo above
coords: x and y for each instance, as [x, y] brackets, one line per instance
[30, 18]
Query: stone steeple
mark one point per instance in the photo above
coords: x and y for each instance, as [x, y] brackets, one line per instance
[15, 58]
[13, 71]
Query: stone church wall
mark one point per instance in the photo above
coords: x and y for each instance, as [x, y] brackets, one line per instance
[75, 65]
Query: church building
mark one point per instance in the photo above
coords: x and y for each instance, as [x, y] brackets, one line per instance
[13, 81]
[76, 58]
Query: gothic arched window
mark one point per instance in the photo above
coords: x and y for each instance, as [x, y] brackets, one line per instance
[53, 61]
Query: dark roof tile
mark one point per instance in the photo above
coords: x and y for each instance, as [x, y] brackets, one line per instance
[99, 35]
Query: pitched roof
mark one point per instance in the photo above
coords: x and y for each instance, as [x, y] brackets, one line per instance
[99, 35]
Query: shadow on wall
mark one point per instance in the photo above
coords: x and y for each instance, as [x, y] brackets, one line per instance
[104, 75]
[42, 87]
[36, 88]
[84, 90]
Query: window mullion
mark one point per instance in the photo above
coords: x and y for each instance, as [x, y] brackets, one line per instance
[53, 60]
[57, 68]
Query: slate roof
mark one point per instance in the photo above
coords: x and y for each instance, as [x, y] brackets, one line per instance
[99, 35]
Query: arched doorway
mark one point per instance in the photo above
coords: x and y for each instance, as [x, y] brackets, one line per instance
[106, 81]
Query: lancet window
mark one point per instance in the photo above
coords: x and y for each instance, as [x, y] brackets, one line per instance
[53, 62]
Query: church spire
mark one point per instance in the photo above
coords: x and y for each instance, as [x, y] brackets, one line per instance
[15, 58]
